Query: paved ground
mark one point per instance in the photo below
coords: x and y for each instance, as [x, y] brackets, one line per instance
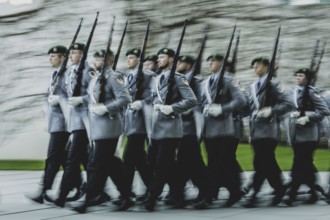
[14, 185]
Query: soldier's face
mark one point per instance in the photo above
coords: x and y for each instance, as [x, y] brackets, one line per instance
[183, 67]
[55, 59]
[75, 56]
[300, 79]
[260, 69]
[214, 65]
[98, 62]
[164, 61]
[150, 65]
[132, 61]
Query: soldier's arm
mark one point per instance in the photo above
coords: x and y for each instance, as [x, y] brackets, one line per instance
[188, 98]
[320, 107]
[238, 100]
[122, 97]
[283, 100]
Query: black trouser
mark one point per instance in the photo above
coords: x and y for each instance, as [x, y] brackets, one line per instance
[76, 154]
[56, 156]
[223, 167]
[103, 163]
[190, 165]
[266, 166]
[135, 156]
[161, 155]
[303, 169]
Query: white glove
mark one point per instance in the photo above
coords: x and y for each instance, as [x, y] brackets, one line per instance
[53, 99]
[74, 101]
[99, 109]
[136, 105]
[294, 114]
[215, 110]
[302, 120]
[264, 112]
[166, 109]
[187, 112]
[157, 106]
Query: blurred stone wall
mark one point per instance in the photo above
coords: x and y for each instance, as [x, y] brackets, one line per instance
[26, 37]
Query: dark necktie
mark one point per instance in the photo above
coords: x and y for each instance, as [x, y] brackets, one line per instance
[130, 78]
[212, 80]
[258, 85]
[162, 79]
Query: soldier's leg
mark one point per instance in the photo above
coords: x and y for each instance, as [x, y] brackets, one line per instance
[72, 169]
[165, 156]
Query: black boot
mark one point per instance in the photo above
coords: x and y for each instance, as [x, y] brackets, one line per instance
[80, 193]
[279, 194]
[233, 198]
[81, 209]
[251, 202]
[150, 204]
[39, 197]
[127, 203]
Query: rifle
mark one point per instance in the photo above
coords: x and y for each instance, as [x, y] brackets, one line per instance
[140, 77]
[196, 69]
[114, 65]
[65, 61]
[278, 58]
[104, 66]
[232, 66]
[223, 69]
[315, 65]
[316, 61]
[171, 79]
[76, 90]
[271, 70]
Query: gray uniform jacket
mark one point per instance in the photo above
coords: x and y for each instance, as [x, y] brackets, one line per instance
[231, 100]
[192, 120]
[170, 126]
[134, 120]
[78, 117]
[261, 128]
[316, 109]
[108, 125]
[56, 113]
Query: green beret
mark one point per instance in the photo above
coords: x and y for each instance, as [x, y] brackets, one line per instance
[134, 51]
[305, 71]
[166, 51]
[262, 60]
[151, 58]
[77, 46]
[57, 49]
[101, 53]
[216, 56]
[187, 59]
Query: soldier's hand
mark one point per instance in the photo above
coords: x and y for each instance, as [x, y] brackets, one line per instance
[302, 120]
[264, 112]
[166, 109]
[99, 109]
[294, 114]
[136, 105]
[74, 101]
[215, 110]
[187, 112]
[53, 99]
[157, 106]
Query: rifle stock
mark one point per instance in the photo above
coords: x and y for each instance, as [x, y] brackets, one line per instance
[216, 97]
[104, 66]
[171, 79]
[140, 77]
[114, 65]
[81, 66]
[65, 61]
[271, 70]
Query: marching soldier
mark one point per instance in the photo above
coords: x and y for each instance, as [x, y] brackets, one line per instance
[106, 127]
[77, 124]
[167, 124]
[150, 63]
[135, 129]
[265, 131]
[190, 164]
[57, 129]
[221, 135]
[304, 134]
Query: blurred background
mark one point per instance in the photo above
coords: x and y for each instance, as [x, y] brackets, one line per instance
[30, 27]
